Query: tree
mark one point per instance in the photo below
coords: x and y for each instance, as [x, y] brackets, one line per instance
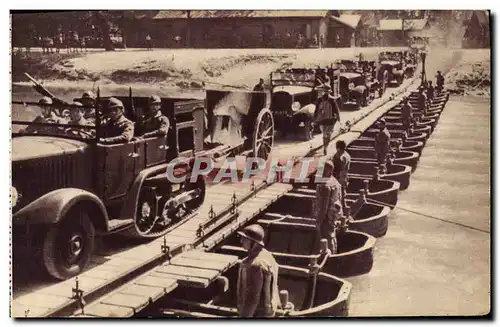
[104, 19]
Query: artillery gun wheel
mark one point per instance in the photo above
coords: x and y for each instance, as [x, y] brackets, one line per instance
[68, 245]
[263, 134]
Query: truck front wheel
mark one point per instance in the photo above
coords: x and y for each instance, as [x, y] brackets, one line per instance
[68, 245]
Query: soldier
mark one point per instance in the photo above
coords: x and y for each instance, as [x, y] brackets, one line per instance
[89, 101]
[48, 116]
[406, 114]
[153, 123]
[117, 129]
[341, 165]
[327, 208]
[430, 90]
[382, 142]
[326, 115]
[439, 81]
[77, 118]
[259, 87]
[257, 289]
[422, 100]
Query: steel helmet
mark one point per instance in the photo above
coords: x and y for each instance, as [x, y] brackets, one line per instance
[254, 233]
[76, 104]
[115, 103]
[154, 99]
[88, 95]
[45, 101]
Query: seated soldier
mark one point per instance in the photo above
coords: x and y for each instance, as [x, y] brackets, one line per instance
[153, 123]
[117, 129]
[77, 113]
[48, 116]
[89, 100]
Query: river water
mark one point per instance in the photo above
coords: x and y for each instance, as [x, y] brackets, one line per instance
[435, 258]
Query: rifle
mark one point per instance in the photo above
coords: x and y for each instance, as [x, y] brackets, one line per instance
[43, 91]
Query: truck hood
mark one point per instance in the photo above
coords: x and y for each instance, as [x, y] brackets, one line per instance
[29, 147]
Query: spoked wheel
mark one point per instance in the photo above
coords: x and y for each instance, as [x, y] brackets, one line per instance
[68, 245]
[263, 134]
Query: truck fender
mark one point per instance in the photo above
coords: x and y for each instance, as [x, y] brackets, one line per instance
[53, 206]
[359, 90]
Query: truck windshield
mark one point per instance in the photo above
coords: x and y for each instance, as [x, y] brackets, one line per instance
[49, 121]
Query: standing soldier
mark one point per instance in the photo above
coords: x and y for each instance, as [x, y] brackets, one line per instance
[341, 165]
[327, 208]
[382, 142]
[422, 100]
[257, 289]
[407, 114]
[439, 81]
[430, 91]
[148, 42]
[153, 123]
[117, 129]
[326, 115]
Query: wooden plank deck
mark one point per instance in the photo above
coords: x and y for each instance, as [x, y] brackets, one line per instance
[115, 265]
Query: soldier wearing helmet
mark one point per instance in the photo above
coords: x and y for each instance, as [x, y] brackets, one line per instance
[257, 289]
[406, 114]
[326, 115]
[117, 129]
[153, 123]
[327, 207]
[422, 100]
[382, 142]
[76, 113]
[430, 90]
[48, 116]
[439, 81]
[88, 100]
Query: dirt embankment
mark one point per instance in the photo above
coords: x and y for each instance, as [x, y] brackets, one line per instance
[471, 75]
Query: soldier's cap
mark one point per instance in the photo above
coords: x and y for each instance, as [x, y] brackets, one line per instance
[45, 101]
[439, 72]
[254, 233]
[115, 103]
[89, 95]
[76, 105]
[154, 99]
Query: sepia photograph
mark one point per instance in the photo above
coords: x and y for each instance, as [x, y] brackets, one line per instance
[257, 164]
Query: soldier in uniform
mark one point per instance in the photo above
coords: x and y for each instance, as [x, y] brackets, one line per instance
[439, 81]
[341, 165]
[153, 123]
[89, 102]
[48, 116]
[327, 207]
[117, 129]
[76, 114]
[382, 142]
[259, 87]
[422, 100]
[257, 289]
[430, 90]
[326, 115]
[406, 114]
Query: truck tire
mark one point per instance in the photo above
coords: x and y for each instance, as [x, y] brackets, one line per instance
[68, 245]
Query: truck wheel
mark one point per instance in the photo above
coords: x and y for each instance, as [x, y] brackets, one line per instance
[358, 101]
[68, 245]
[308, 131]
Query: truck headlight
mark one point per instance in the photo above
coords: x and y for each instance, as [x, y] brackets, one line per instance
[14, 196]
[295, 106]
[351, 86]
